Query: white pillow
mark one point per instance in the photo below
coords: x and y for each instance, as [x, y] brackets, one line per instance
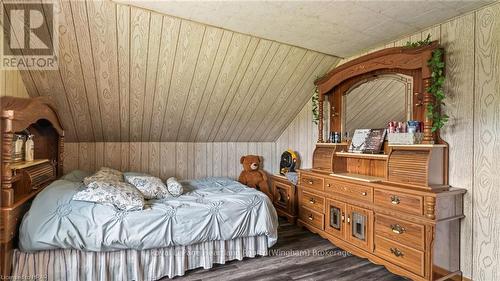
[121, 195]
[104, 174]
[150, 187]
[174, 187]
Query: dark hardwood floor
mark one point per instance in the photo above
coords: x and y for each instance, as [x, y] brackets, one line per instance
[298, 255]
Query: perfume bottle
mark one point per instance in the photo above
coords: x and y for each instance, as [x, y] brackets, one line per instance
[18, 148]
[337, 138]
[30, 149]
[331, 138]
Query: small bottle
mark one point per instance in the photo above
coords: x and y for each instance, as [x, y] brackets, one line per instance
[337, 137]
[331, 138]
[30, 149]
[18, 148]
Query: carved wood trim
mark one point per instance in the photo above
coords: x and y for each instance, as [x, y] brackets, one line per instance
[407, 61]
[430, 207]
[18, 114]
[427, 100]
[397, 57]
[320, 121]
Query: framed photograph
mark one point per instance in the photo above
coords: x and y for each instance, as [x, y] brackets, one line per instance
[367, 141]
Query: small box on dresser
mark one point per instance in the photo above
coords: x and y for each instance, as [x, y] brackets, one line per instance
[284, 197]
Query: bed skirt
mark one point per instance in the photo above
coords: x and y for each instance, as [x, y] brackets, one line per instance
[150, 264]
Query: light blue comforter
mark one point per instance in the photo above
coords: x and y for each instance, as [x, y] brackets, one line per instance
[210, 209]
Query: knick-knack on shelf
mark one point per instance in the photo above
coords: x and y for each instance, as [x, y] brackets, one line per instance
[30, 149]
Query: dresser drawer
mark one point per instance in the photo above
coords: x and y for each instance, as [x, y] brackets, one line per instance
[356, 191]
[399, 201]
[406, 257]
[311, 218]
[401, 231]
[312, 201]
[307, 180]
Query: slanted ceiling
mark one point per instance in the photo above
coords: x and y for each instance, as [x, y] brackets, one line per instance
[129, 74]
[341, 28]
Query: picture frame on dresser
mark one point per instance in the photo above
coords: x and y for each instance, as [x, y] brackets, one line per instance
[395, 208]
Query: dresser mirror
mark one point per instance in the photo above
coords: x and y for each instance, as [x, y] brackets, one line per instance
[373, 102]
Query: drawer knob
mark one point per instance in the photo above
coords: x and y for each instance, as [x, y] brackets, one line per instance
[363, 193]
[397, 252]
[395, 200]
[328, 185]
[312, 201]
[398, 229]
[310, 182]
[310, 217]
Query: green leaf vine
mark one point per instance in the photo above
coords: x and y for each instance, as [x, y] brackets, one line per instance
[314, 101]
[436, 65]
[419, 43]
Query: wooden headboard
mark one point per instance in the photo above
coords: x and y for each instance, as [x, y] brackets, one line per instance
[22, 180]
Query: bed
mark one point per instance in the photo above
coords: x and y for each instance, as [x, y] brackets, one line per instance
[214, 221]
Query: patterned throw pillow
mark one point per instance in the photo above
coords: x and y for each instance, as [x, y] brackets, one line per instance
[174, 187]
[150, 187]
[121, 195]
[104, 174]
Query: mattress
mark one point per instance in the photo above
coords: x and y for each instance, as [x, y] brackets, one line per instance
[211, 209]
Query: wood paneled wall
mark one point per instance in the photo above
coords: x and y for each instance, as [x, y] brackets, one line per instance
[181, 159]
[127, 74]
[472, 44]
[11, 84]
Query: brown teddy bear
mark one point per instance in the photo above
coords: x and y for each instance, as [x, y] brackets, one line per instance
[252, 176]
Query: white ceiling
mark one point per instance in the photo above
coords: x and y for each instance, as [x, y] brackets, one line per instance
[341, 28]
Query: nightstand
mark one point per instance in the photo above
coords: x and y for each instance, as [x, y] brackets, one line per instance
[285, 197]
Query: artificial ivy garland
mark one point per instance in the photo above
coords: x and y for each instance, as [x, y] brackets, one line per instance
[314, 101]
[436, 64]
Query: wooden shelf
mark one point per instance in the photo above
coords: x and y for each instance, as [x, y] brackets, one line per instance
[362, 155]
[357, 177]
[330, 144]
[418, 145]
[26, 164]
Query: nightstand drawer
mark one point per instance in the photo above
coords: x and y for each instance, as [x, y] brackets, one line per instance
[282, 195]
[399, 201]
[311, 218]
[312, 201]
[401, 231]
[313, 182]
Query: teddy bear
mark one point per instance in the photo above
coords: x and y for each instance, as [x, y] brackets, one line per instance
[252, 176]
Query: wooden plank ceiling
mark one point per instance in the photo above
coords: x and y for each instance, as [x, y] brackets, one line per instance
[127, 74]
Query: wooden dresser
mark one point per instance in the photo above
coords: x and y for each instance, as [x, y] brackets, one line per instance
[395, 208]
[410, 231]
[284, 197]
[23, 180]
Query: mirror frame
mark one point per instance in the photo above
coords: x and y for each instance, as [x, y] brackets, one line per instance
[398, 60]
